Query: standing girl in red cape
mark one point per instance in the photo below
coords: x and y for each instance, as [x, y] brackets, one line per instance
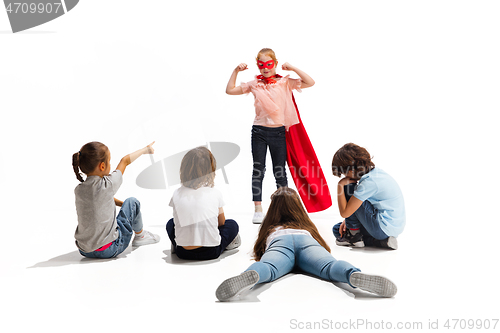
[274, 114]
[277, 125]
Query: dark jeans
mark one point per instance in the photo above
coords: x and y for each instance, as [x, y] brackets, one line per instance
[365, 218]
[274, 138]
[227, 233]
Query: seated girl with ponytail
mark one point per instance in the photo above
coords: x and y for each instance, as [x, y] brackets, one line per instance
[100, 233]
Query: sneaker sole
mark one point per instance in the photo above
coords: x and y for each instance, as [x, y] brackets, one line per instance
[233, 287]
[235, 243]
[375, 284]
[357, 244]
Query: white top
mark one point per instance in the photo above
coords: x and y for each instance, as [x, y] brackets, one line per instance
[280, 231]
[196, 216]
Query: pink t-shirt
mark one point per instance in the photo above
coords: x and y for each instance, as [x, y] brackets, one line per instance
[273, 102]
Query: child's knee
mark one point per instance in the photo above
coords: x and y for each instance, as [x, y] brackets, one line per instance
[132, 201]
[232, 225]
[134, 204]
[232, 222]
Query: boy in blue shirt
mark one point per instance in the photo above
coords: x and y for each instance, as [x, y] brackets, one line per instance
[369, 199]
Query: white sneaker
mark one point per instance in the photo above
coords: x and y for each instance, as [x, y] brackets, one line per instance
[235, 243]
[145, 239]
[232, 288]
[258, 217]
[375, 284]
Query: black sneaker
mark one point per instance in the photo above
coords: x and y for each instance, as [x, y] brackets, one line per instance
[388, 243]
[349, 239]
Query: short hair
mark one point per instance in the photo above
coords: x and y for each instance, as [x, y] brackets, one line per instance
[352, 157]
[198, 168]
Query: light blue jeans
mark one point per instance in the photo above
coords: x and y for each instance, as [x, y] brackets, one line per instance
[129, 219]
[302, 253]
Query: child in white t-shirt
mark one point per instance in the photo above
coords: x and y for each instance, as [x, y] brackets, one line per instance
[199, 230]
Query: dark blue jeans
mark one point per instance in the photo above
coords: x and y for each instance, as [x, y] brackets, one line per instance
[274, 138]
[227, 234]
[365, 218]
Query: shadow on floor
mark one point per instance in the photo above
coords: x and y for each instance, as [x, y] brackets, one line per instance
[253, 294]
[371, 249]
[174, 260]
[75, 258]
[355, 292]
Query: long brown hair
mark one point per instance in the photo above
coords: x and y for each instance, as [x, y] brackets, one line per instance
[198, 168]
[352, 157]
[286, 210]
[89, 157]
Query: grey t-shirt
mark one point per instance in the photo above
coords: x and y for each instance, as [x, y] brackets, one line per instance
[95, 206]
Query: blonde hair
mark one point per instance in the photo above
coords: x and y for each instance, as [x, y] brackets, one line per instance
[268, 52]
[198, 168]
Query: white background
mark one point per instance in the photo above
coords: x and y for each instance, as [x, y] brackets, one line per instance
[415, 82]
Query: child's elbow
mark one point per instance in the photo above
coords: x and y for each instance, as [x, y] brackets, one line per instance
[344, 214]
[234, 91]
[125, 160]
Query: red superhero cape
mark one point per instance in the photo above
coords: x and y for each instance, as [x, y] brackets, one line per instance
[305, 168]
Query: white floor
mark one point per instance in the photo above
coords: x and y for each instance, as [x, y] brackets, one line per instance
[416, 84]
[48, 284]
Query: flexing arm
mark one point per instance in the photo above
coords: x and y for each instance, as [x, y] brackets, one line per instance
[127, 160]
[231, 88]
[307, 81]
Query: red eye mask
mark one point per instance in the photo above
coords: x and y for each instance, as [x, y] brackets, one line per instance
[268, 64]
